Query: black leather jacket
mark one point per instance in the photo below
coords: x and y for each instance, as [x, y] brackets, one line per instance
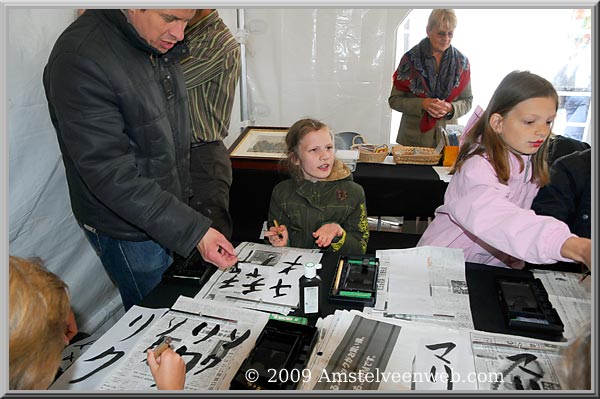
[568, 196]
[120, 112]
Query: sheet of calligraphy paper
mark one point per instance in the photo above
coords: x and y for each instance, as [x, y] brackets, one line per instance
[444, 362]
[516, 363]
[265, 274]
[212, 338]
[109, 351]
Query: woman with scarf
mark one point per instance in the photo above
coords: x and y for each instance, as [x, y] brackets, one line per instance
[432, 85]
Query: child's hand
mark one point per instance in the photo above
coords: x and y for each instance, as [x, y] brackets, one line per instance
[326, 233]
[168, 370]
[579, 249]
[278, 236]
[70, 328]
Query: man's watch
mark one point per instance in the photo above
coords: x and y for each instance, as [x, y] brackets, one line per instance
[450, 114]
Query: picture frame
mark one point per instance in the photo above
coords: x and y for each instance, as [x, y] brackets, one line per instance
[260, 142]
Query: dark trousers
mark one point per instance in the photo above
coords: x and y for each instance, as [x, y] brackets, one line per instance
[210, 169]
[136, 267]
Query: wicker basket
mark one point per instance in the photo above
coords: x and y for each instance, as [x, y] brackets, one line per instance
[415, 155]
[370, 152]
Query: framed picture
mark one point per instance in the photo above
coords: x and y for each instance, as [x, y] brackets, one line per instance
[260, 142]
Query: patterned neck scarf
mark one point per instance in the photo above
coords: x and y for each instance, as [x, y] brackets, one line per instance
[416, 75]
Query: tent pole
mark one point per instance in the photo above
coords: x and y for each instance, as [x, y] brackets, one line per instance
[241, 25]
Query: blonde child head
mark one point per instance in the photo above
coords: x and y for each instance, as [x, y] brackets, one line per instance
[38, 311]
[485, 137]
[294, 139]
[575, 370]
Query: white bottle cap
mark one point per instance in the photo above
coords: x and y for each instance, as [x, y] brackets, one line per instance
[310, 270]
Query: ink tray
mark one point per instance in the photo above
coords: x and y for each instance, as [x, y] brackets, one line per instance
[280, 355]
[526, 306]
[355, 281]
[192, 270]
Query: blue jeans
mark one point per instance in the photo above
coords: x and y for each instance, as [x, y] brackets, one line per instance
[136, 267]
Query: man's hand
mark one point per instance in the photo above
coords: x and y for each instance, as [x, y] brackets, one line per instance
[216, 249]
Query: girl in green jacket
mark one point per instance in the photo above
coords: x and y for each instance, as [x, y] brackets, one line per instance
[320, 206]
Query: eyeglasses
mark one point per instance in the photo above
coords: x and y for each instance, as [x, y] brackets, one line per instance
[443, 34]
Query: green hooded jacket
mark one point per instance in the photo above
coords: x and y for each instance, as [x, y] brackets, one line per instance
[304, 206]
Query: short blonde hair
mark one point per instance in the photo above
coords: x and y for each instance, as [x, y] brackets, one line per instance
[441, 17]
[576, 364]
[38, 311]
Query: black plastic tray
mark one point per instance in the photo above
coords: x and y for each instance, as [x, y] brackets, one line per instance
[356, 281]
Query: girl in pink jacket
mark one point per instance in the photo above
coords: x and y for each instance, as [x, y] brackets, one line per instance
[499, 169]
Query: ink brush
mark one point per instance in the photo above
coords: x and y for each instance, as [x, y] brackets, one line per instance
[584, 276]
[166, 342]
[276, 223]
[336, 287]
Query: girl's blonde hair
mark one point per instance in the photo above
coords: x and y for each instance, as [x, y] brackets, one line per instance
[515, 88]
[293, 138]
[38, 311]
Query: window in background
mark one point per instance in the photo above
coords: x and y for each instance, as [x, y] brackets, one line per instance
[555, 44]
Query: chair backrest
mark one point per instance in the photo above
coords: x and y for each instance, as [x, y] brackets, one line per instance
[345, 140]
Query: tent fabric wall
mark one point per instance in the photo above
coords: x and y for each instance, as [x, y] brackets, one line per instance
[41, 223]
[331, 64]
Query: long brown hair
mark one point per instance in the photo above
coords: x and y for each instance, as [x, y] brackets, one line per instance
[38, 311]
[515, 88]
[293, 138]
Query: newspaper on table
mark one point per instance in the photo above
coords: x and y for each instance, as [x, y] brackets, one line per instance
[361, 352]
[265, 278]
[425, 284]
[569, 297]
[213, 338]
[516, 363]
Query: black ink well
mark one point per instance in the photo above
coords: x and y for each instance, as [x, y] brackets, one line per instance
[310, 290]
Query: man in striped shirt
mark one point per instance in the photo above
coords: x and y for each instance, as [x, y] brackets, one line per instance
[211, 73]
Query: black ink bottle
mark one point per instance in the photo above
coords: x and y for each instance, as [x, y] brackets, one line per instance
[310, 290]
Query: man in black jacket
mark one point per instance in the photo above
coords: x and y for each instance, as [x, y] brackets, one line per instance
[118, 102]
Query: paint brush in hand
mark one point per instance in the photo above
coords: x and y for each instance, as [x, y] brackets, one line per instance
[276, 223]
[166, 342]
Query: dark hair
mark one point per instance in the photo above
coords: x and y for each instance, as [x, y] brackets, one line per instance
[515, 88]
[293, 138]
